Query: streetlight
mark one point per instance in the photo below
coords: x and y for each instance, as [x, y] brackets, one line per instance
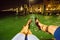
[30, 1]
[21, 8]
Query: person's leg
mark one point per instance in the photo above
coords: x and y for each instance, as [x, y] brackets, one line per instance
[26, 27]
[54, 30]
[40, 25]
[30, 36]
[50, 29]
[21, 35]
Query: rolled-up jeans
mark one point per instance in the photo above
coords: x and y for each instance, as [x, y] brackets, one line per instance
[21, 36]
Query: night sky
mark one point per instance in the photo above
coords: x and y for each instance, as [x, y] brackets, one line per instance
[5, 4]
